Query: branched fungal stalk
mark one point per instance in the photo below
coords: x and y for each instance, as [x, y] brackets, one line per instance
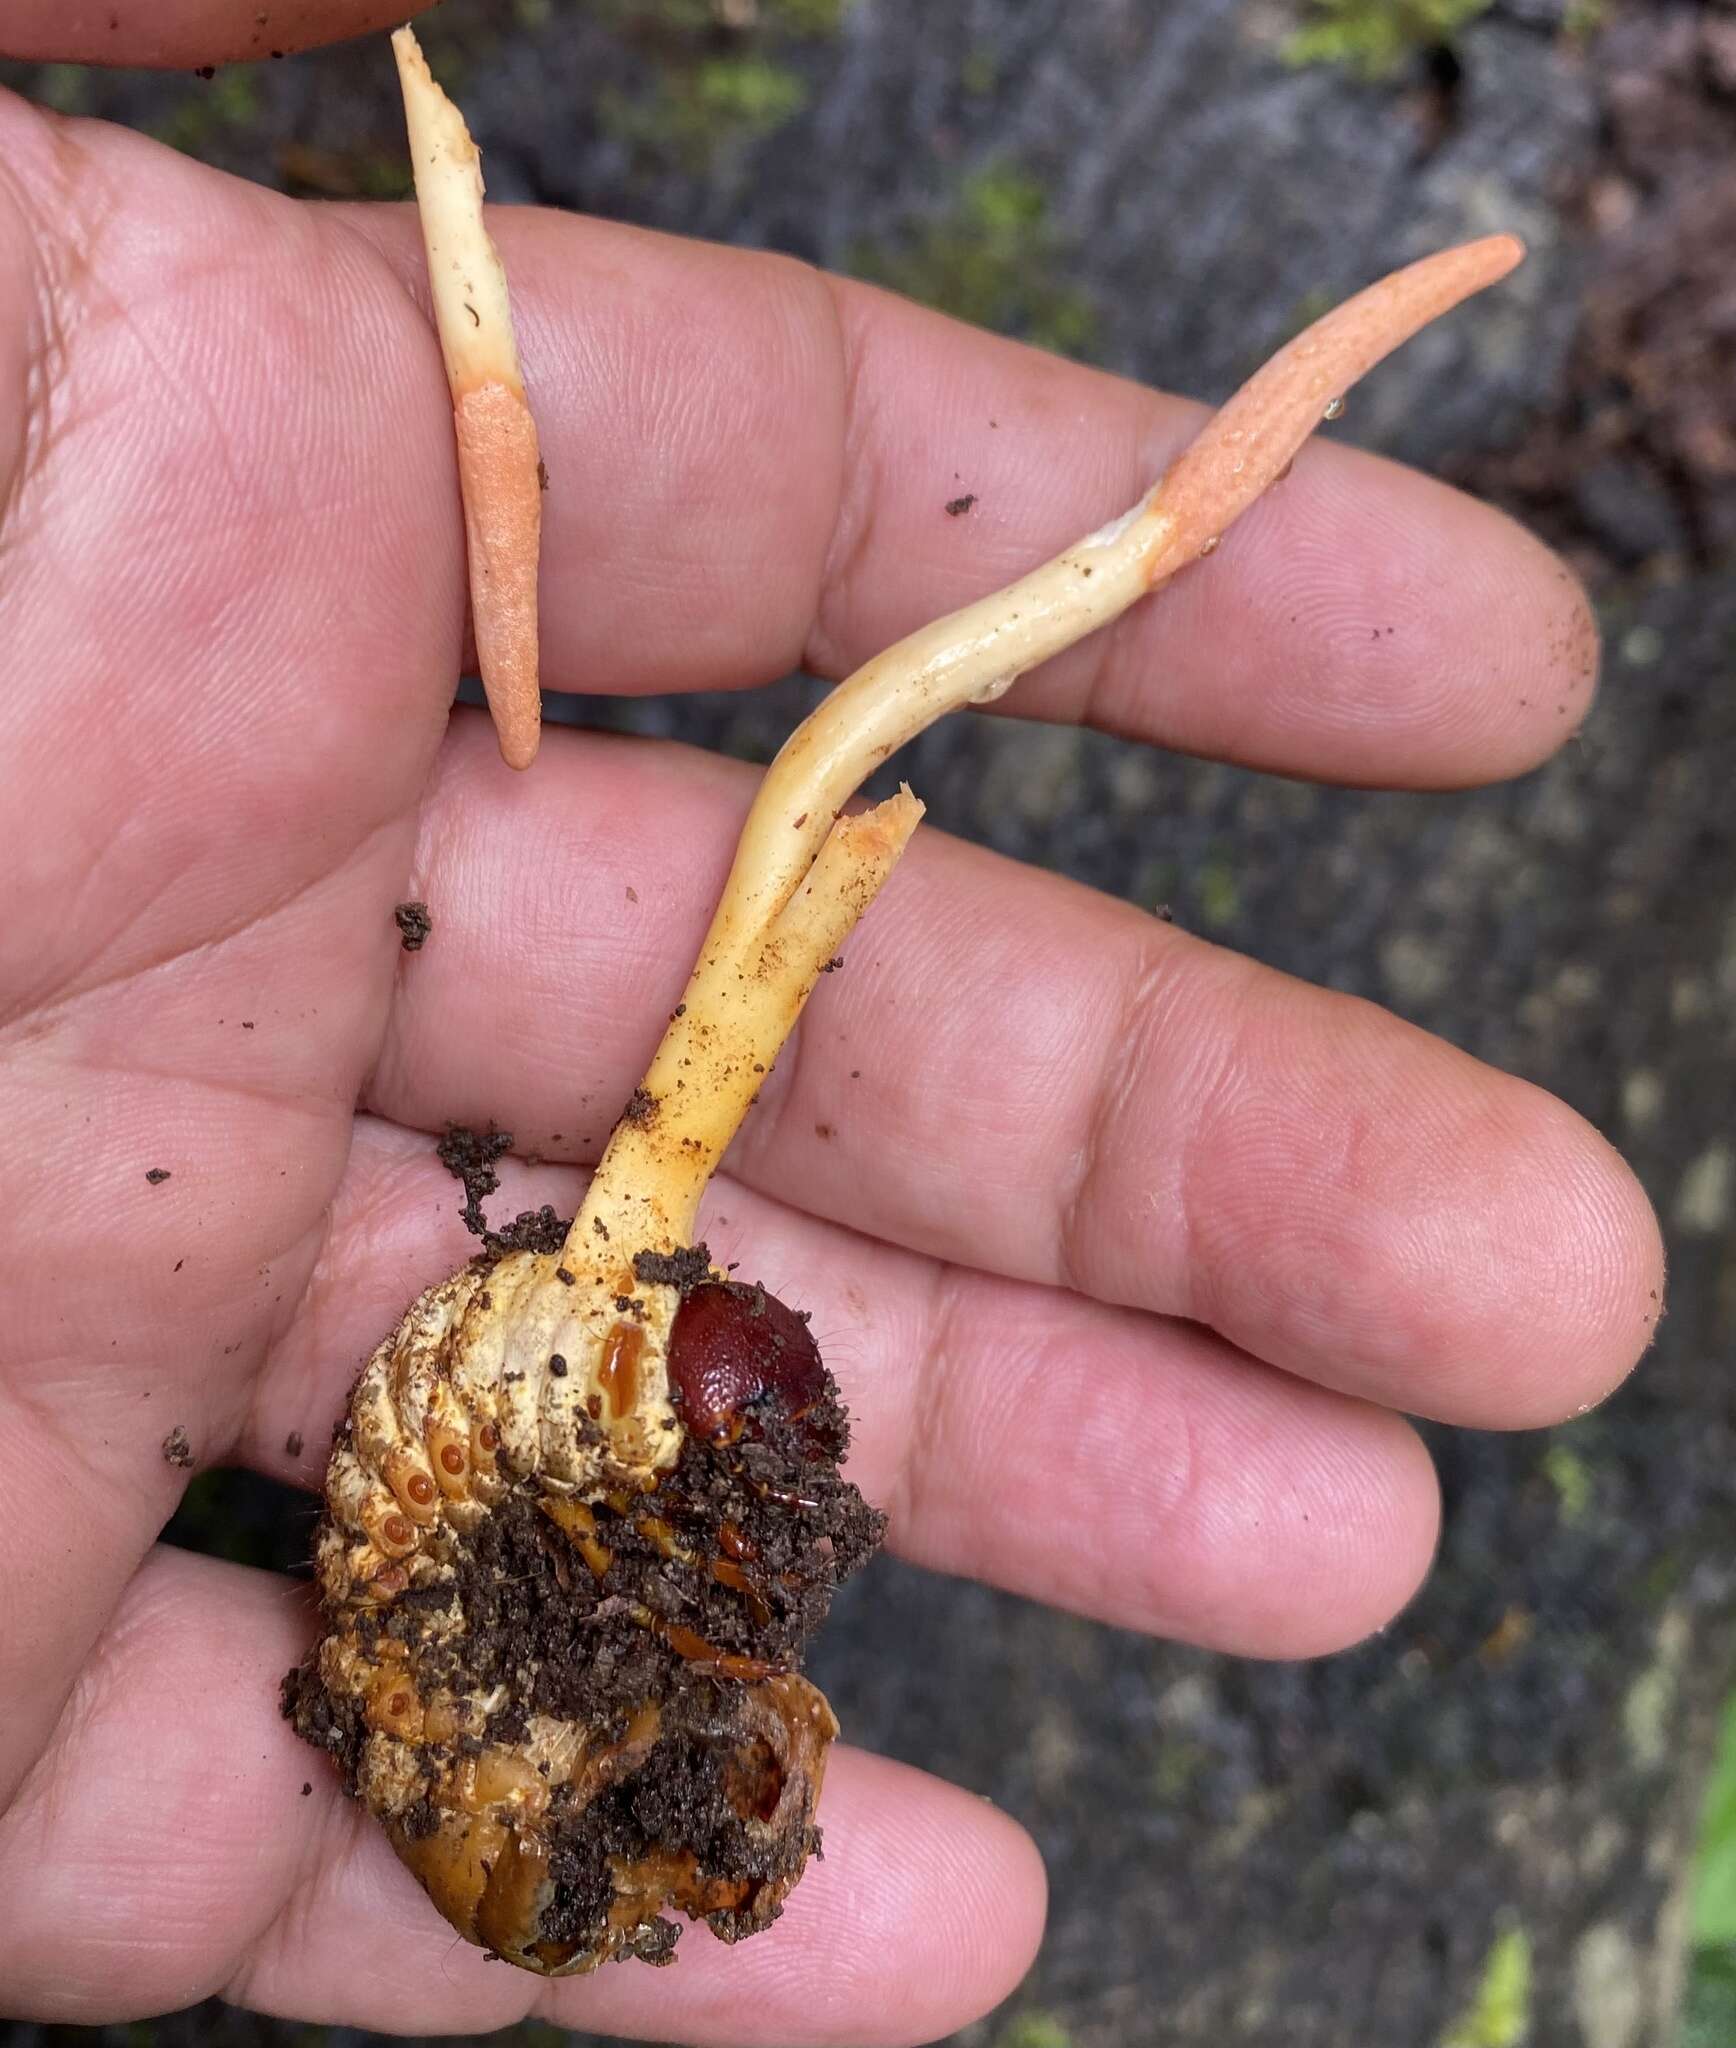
[586, 1507]
[499, 467]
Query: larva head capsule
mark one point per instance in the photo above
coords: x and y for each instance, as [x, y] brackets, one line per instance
[738, 1358]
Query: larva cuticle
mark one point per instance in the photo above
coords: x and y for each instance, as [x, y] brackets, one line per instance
[553, 1610]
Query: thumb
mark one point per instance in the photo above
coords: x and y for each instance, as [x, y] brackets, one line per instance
[169, 34]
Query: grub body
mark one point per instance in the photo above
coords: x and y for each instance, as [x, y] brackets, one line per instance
[561, 1663]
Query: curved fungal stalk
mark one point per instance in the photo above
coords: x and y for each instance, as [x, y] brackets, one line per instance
[499, 466]
[803, 872]
[586, 1507]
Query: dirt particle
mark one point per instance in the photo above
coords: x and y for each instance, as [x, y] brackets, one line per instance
[957, 507]
[178, 1449]
[641, 1109]
[469, 1157]
[824, 1131]
[414, 924]
[685, 1269]
[292, 1444]
[557, 1365]
[156, 1175]
[306, 1790]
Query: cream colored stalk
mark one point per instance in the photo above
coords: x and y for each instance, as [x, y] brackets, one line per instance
[803, 873]
[499, 468]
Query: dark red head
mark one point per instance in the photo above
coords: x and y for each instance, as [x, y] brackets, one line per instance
[737, 1354]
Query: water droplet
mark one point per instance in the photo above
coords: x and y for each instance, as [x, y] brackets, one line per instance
[1334, 409]
[1209, 546]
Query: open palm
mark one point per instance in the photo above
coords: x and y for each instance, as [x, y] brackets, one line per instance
[1077, 1197]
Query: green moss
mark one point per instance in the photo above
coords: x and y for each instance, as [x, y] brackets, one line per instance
[992, 258]
[755, 19]
[805, 17]
[235, 95]
[1709, 2010]
[220, 106]
[1377, 38]
[1034, 2028]
[1217, 893]
[694, 112]
[380, 176]
[1571, 1478]
[1176, 1767]
[1650, 1703]
[980, 73]
[713, 79]
[1307, 309]
[64, 87]
[1499, 2016]
[1714, 1907]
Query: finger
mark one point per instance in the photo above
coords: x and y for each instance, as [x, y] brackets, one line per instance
[1016, 1073]
[196, 960]
[748, 466]
[1130, 1469]
[720, 423]
[163, 1851]
[176, 34]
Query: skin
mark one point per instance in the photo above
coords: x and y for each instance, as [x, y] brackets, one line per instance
[1225, 1224]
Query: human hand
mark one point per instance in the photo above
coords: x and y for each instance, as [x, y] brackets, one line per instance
[231, 583]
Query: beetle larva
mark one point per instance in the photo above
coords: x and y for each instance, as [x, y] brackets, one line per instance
[567, 1593]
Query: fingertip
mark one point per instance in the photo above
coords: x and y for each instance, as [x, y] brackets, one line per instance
[1398, 633]
[1575, 1253]
[960, 1896]
[1545, 648]
[1386, 1544]
[1608, 1312]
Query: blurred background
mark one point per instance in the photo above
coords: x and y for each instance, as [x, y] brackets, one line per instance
[1512, 1818]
